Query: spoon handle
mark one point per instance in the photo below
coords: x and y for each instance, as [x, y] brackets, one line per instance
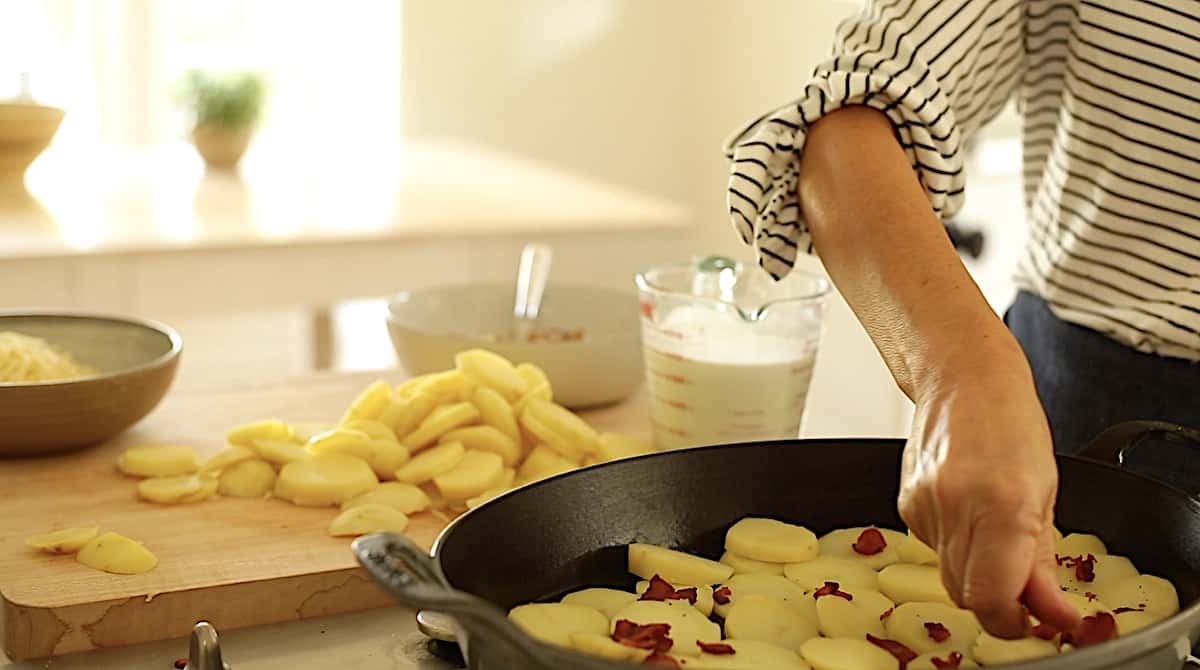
[532, 276]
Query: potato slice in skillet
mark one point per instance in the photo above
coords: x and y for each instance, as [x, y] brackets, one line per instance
[1080, 544]
[1081, 574]
[65, 541]
[771, 540]
[874, 547]
[687, 624]
[608, 601]
[774, 586]
[1154, 595]
[677, 567]
[913, 550]
[846, 654]
[748, 566]
[771, 620]
[751, 655]
[812, 575]
[933, 628]
[603, 646]
[990, 650]
[704, 595]
[926, 662]
[1131, 621]
[555, 622]
[475, 473]
[907, 583]
[252, 478]
[852, 613]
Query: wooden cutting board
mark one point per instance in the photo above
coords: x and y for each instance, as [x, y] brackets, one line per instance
[234, 562]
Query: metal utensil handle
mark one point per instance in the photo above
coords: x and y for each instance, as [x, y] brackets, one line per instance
[532, 276]
[416, 580]
[1115, 443]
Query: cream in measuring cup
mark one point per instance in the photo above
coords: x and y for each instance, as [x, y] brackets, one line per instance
[729, 352]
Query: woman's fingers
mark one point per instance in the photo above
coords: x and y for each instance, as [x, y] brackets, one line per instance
[999, 563]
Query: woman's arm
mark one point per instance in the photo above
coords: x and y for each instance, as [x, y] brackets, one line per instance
[979, 478]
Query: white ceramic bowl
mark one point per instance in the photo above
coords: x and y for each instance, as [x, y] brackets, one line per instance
[429, 326]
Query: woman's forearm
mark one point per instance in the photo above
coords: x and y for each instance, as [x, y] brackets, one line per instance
[889, 255]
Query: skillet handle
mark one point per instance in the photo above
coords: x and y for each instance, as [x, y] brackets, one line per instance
[416, 580]
[1116, 443]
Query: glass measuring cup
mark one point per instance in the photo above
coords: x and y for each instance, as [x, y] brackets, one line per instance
[729, 351]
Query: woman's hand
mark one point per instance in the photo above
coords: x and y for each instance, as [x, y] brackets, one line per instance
[979, 483]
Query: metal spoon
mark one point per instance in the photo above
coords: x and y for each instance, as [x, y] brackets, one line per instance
[532, 276]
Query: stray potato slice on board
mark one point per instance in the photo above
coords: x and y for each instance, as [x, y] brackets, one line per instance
[177, 489]
[324, 480]
[430, 463]
[247, 479]
[555, 622]
[279, 453]
[368, 518]
[476, 472]
[65, 541]
[492, 370]
[267, 429]
[677, 567]
[370, 403]
[158, 460]
[117, 554]
[603, 646]
[439, 422]
[226, 457]
[771, 540]
[486, 438]
[404, 497]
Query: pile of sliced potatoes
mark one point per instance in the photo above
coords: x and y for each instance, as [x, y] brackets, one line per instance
[780, 598]
[448, 441]
[109, 552]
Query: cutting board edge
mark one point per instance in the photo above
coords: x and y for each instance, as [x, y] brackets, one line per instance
[41, 632]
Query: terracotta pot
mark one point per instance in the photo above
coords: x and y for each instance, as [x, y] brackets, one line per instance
[222, 147]
[25, 131]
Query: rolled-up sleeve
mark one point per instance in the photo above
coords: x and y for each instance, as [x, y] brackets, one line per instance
[939, 69]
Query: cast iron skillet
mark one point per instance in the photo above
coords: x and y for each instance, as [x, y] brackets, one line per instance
[570, 531]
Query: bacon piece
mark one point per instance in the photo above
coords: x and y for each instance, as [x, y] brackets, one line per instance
[180, 663]
[1090, 596]
[901, 652]
[1045, 631]
[952, 661]
[1085, 568]
[661, 661]
[1061, 560]
[832, 589]
[1122, 610]
[719, 648]
[887, 614]
[722, 595]
[661, 589]
[937, 632]
[870, 542]
[653, 636]
[1100, 627]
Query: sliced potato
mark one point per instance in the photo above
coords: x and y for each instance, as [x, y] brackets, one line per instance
[907, 625]
[304, 431]
[430, 463]
[560, 429]
[370, 403]
[226, 457]
[177, 489]
[608, 601]
[846, 654]
[158, 460]
[539, 392]
[840, 543]
[990, 650]
[1086, 606]
[1080, 544]
[486, 496]
[1155, 595]
[677, 567]
[1106, 568]
[704, 595]
[542, 462]
[387, 456]
[247, 479]
[687, 624]
[907, 583]
[768, 585]
[850, 574]
[397, 495]
[1131, 621]
[440, 421]
[533, 375]
[476, 472]
[368, 518]
[603, 646]
[487, 438]
[768, 619]
[748, 566]
[497, 412]
[913, 550]
[341, 441]
[324, 479]
[614, 446]
[373, 428]
[771, 540]
[65, 541]
[279, 453]
[404, 415]
[555, 622]
[268, 429]
[861, 615]
[492, 370]
[751, 655]
[117, 554]
[926, 662]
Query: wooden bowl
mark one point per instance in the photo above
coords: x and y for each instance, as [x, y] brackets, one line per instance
[25, 131]
[136, 360]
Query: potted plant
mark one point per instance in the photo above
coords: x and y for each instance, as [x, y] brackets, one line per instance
[227, 108]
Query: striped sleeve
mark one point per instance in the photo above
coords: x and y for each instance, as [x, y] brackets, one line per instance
[938, 68]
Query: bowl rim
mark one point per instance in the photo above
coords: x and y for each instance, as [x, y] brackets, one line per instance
[161, 328]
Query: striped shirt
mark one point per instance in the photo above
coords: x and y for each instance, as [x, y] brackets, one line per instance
[1110, 94]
